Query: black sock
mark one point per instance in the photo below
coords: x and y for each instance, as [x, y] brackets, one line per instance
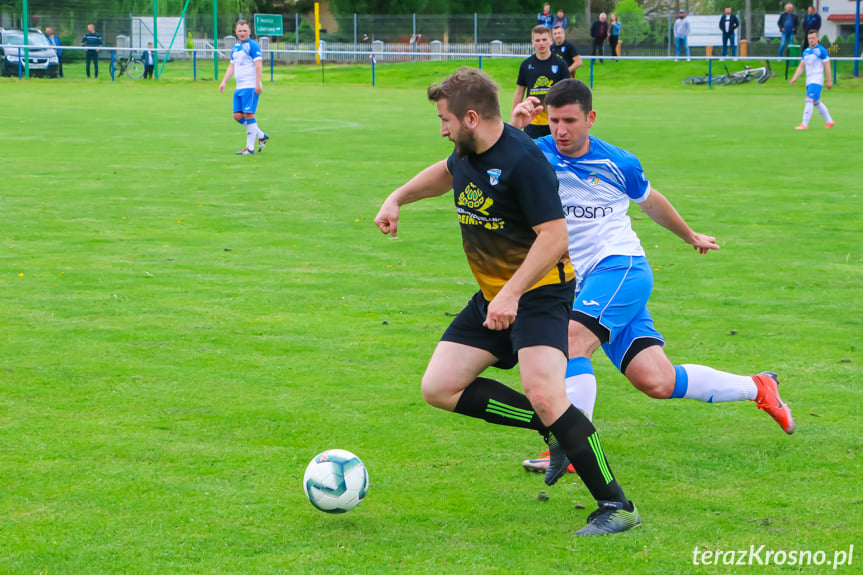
[580, 442]
[496, 403]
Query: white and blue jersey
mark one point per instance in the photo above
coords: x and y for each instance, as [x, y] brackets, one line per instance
[243, 57]
[595, 190]
[813, 63]
[614, 277]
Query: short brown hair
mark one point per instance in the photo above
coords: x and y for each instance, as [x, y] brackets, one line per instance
[242, 23]
[468, 89]
[541, 29]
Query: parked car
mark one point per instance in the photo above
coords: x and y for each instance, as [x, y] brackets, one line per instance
[43, 58]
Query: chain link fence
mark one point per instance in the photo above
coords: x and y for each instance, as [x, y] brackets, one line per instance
[474, 33]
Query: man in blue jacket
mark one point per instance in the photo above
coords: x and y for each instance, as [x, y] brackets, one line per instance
[55, 41]
[149, 58]
[787, 24]
[812, 21]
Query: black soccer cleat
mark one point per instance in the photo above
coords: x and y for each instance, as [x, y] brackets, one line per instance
[263, 142]
[611, 517]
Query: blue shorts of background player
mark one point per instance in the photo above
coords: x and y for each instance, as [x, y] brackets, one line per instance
[245, 101]
[612, 303]
[813, 92]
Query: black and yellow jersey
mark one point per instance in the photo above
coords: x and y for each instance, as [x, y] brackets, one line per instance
[538, 76]
[500, 195]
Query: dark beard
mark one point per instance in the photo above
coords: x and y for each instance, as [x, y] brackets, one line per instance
[466, 145]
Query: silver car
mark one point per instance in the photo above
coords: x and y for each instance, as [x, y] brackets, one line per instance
[43, 58]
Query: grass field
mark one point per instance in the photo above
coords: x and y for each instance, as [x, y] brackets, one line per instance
[184, 329]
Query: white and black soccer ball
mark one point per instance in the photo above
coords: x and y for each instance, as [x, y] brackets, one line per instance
[336, 481]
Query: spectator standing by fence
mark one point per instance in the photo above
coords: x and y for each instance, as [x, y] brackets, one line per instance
[149, 60]
[55, 41]
[614, 27]
[566, 50]
[681, 35]
[599, 32]
[545, 18]
[92, 41]
[728, 23]
[560, 20]
[812, 21]
[787, 24]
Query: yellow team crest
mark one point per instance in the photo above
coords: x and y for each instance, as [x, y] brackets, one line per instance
[473, 198]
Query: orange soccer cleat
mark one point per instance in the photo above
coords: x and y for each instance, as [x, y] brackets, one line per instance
[768, 399]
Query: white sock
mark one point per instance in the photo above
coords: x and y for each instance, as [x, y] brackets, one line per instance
[261, 133]
[822, 109]
[711, 385]
[807, 112]
[581, 385]
[251, 134]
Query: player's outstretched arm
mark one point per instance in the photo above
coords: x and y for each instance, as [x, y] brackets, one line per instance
[524, 112]
[431, 182]
[663, 213]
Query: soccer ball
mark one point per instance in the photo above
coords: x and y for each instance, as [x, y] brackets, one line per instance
[336, 481]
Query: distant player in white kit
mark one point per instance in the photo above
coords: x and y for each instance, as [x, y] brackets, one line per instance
[816, 62]
[247, 64]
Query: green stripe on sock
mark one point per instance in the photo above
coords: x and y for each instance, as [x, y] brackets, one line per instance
[516, 410]
[503, 413]
[508, 411]
[600, 457]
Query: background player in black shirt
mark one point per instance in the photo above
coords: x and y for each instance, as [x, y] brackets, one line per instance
[536, 75]
[515, 237]
[565, 49]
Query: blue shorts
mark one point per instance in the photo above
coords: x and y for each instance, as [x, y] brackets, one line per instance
[813, 92]
[612, 303]
[542, 319]
[245, 101]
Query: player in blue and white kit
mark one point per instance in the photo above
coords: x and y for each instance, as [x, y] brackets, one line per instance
[614, 279]
[816, 62]
[247, 64]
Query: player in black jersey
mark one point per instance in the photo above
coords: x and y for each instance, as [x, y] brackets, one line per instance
[536, 75]
[566, 50]
[515, 238]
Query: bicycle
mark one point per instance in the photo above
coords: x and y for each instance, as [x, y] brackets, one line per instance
[760, 75]
[129, 65]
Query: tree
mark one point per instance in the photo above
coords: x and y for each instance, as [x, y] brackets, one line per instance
[633, 25]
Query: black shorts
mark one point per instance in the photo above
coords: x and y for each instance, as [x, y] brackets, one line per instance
[542, 319]
[536, 131]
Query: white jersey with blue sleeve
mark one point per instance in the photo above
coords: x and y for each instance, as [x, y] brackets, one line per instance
[595, 190]
[243, 57]
[813, 62]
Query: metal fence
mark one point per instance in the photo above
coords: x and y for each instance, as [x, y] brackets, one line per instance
[475, 33]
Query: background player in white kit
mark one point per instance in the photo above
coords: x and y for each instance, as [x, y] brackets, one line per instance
[247, 64]
[614, 279]
[816, 62]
